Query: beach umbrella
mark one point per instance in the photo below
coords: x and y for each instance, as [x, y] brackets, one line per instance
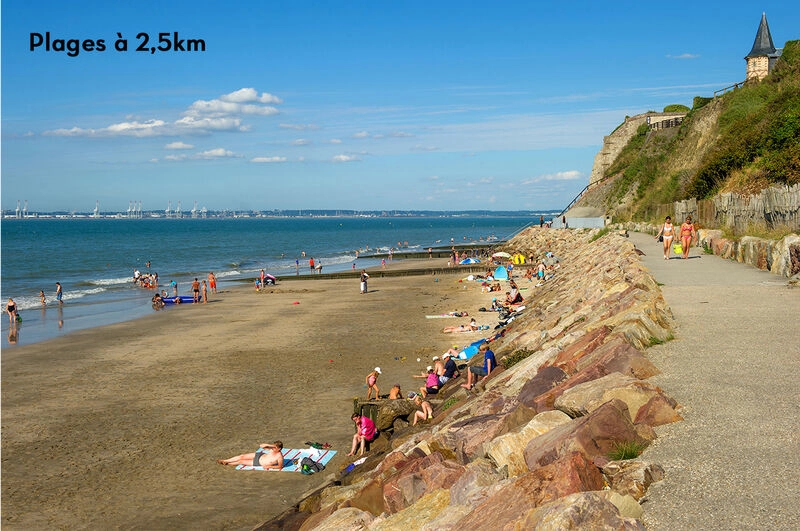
[470, 261]
[501, 254]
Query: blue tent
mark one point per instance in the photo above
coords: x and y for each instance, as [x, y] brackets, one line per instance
[501, 273]
[470, 261]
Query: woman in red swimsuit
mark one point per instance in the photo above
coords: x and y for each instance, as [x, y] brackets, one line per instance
[688, 235]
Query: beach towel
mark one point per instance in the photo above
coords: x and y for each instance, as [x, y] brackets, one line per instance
[293, 456]
[447, 315]
[471, 350]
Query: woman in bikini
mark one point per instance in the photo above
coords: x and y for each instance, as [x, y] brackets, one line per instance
[668, 232]
[268, 456]
[688, 234]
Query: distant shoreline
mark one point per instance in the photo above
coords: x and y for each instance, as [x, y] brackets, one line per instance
[224, 214]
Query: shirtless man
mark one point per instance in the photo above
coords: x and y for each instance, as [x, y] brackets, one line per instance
[196, 290]
[212, 282]
[268, 456]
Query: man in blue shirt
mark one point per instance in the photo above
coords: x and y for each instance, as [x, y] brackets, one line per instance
[482, 372]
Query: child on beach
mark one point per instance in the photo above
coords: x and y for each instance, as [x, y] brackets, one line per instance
[372, 379]
[205, 292]
[426, 411]
[43, 298]
[431, 386]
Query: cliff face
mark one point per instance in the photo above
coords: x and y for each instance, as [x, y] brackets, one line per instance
[614, 143]
[680, 151]
[741, 142]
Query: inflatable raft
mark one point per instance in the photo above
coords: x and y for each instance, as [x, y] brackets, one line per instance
[184, 299]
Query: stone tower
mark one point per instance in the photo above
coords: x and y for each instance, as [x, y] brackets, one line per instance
[763, 55]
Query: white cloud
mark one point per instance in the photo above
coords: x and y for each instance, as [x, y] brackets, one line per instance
[301, 142]
[569, 175]
[201, 117]
[401, 134]
[299, 127]
[684, 56]
[361, 134]
[226, 108]
[268, 159]
[246, 95]
[345, 158]
[419, 147]
[218, 153]
[335, 141]
[178, 145]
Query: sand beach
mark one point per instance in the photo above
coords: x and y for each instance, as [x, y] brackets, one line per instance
[120, 426]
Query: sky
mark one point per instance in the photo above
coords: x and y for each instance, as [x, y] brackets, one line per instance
[344, 105]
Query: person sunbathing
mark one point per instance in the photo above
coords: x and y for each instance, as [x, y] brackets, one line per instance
[470, 327]
[269, 460]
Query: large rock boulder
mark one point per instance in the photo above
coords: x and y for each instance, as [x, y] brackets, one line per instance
[545, 380]
[389, 410]
[632, 477]
[616, 356]
[584, 510]
[586, 397]
[427, 509]
[508, 450]
[568, 474]
[472, 487]
[419, 478]
[595, 434]
[346, 519]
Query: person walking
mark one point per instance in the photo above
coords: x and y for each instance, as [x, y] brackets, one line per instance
[688, 235]
[59, 293]
[364, 278]
[666, 235]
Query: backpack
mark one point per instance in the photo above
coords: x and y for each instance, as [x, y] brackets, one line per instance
[309, 466]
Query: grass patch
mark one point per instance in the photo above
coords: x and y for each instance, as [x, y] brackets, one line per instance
[450, 402]
[653, 341]
[515, 357]
[626, 450]
[758, 230]
[599, 234]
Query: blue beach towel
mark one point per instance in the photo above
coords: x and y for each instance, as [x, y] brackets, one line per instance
[292, 455]
[471, 350]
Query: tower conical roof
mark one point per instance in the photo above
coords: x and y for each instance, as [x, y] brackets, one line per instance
[763, 44]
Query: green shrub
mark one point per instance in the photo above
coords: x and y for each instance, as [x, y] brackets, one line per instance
[599, 234]
[700, 102]
[450, 402]
[653, 341]
[676, 107]
[515, 357]
[626, 450]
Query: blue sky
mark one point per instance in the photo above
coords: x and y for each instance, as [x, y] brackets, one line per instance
[351, 105]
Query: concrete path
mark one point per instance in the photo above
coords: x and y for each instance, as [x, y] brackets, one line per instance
[734, 366]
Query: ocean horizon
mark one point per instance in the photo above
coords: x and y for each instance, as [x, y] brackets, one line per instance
[94, 259]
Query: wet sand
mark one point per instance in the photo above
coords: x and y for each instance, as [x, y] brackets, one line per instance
[120, 426]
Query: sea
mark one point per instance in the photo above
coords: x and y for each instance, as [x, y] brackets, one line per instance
[94, 259]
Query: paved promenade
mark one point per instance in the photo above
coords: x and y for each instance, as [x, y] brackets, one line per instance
[734, 366]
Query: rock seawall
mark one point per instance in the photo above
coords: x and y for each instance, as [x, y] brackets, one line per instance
[533, 446]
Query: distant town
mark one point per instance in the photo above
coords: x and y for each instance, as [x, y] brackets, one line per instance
[135, 211]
